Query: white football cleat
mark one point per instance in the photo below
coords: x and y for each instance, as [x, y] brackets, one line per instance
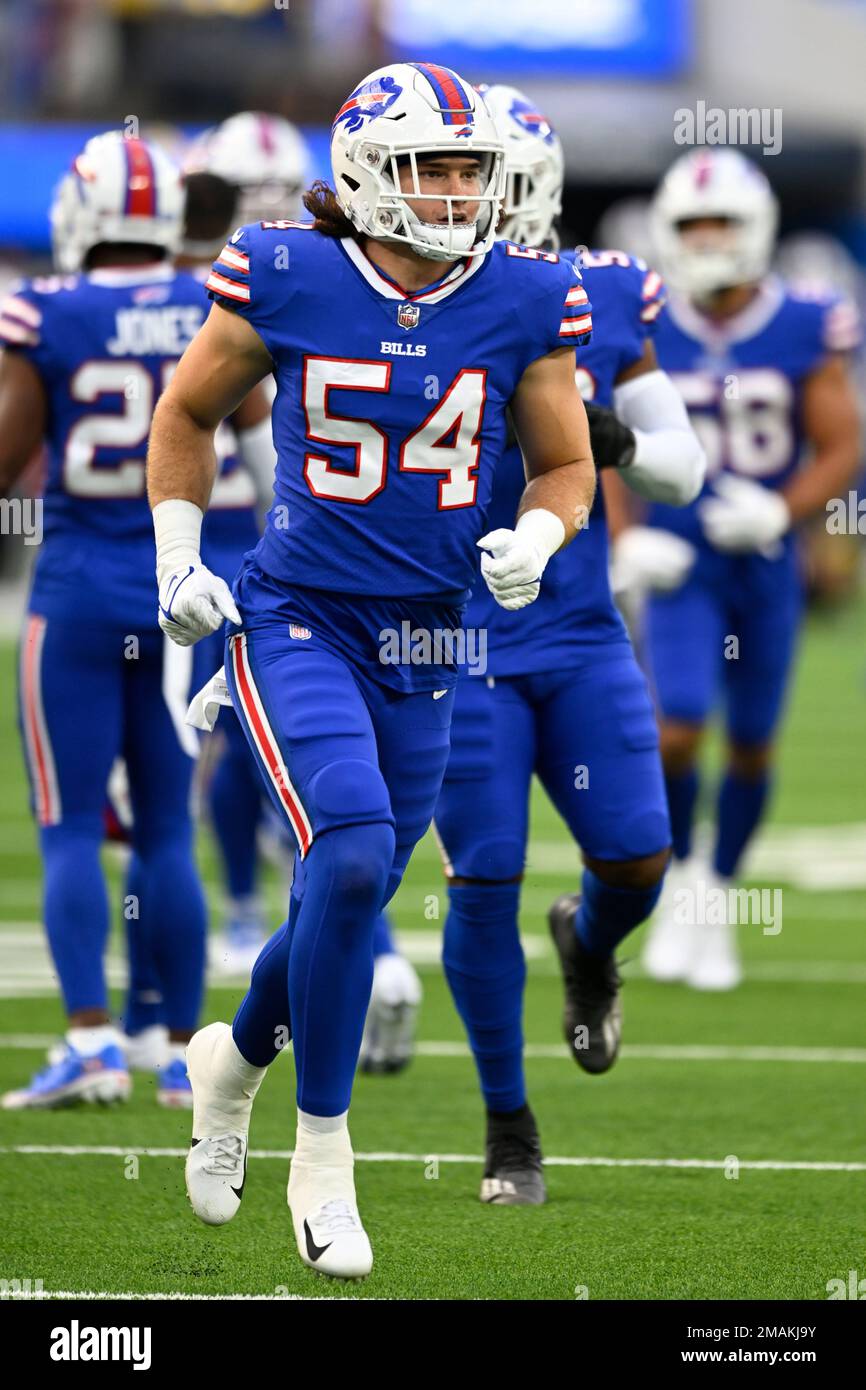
[670, 941]
[224, 1086]
[389, 1031]
[321, 1197]
[147, 1050]
[715, 963]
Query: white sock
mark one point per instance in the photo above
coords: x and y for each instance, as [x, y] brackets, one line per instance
[322, 1124]
[90, 1041]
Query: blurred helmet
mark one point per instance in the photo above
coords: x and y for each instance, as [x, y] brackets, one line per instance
[265, 156]
[626, 224]
[534, 167]
[714, 183]
[396, 115]
[118, 190]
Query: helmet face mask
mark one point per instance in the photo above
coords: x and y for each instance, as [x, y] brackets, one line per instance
[394, 120]
[714, 220]
[118, 191]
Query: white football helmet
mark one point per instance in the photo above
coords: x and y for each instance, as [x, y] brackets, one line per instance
[401, 112]
[534, 168]
[265, 156]
[714, 183]
[118, 190]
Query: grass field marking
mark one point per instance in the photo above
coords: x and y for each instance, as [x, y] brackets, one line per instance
[640, 1052]
[767, 1164]
[132, 1297]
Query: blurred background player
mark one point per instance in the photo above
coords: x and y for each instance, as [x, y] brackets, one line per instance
[762, 370]
[87, 353]
[563, 696]
[265, 161]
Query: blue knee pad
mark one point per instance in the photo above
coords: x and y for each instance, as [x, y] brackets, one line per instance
[347, 792]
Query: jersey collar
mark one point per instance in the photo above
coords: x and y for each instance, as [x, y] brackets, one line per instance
[457, 276]
[746, 324]
[119, 276]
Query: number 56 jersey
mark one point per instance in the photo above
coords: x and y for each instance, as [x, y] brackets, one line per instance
[389, 419]
[742, 380]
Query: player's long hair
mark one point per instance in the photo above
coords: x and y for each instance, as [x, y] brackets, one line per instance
[321, 202]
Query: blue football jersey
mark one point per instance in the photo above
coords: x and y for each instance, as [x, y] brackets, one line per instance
[574, 610]
[390, 413]
[105, 344]
[742, 380]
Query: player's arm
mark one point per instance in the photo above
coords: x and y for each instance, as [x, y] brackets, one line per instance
[220, 367]
[251, 423]
[745, 516]
[647, 436]
[831, 423]
[23, 413]
[550, 423]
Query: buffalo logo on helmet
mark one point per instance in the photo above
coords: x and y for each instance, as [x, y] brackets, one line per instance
[531, 120]
[369, 100]
[408, 316]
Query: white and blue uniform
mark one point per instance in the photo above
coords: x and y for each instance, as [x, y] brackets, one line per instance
[389, 424]
[98, 680]
[561, 690]
[742, 381]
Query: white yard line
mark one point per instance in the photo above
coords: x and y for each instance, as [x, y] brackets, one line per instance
[283, 1155]
[185, 1297]
[636, 1052]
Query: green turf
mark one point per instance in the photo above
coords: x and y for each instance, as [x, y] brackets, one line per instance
[78, 1222]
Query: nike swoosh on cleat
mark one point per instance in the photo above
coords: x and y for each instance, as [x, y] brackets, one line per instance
[239, 1191]
[313, 1250]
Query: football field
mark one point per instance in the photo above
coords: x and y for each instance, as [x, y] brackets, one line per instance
[723, 1157]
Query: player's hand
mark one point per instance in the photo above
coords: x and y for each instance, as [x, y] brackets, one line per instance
[743, 516]
[193, 604]
[646, 558]
[513, 568]
[613, 443]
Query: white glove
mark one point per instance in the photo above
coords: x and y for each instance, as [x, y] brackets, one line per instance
[193, 603]
[646, 558]
[743, 515]
[513, 569]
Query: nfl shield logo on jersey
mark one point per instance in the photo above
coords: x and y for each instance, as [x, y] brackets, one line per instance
[303, 634]
[408, 316]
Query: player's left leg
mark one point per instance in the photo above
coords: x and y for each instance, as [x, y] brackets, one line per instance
[757, 678]
[598, 759]
[160, 758]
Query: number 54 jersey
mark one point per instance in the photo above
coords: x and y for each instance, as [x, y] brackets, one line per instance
[104, 344]
[390, 415]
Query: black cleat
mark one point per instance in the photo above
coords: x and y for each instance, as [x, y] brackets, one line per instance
[592, 1017]
[512, 1166]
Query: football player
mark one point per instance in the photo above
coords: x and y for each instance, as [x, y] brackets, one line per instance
[399, 334]
[266, 161]
[86, 354]
[763, 373]
[563, 697]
